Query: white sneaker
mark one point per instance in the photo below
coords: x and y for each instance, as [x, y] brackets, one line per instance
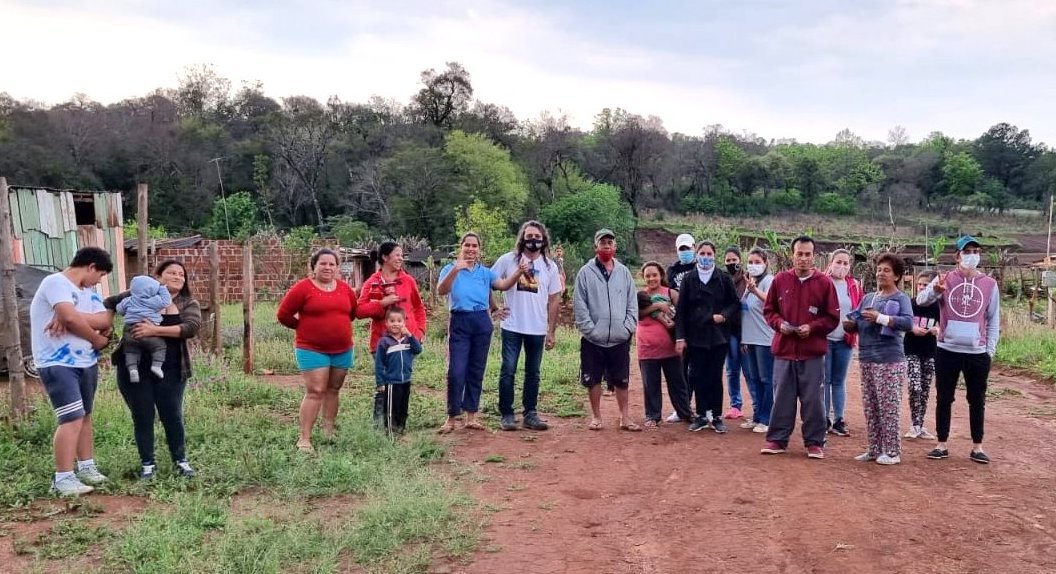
[865, 457]
[887, 459]
[748, 424]
[925, 434]
[673, 418]
[158, 372]
[914, 432]
[761, 428]
[91, 475]
[70, 486]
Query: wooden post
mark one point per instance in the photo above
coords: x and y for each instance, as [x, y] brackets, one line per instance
[214, 296]
[11, 337]
[141, 219]
[247, 307]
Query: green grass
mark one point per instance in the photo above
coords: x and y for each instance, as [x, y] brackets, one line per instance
[1027, 345]
[259, 505]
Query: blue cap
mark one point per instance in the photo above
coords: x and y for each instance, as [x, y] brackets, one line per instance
[965, 241]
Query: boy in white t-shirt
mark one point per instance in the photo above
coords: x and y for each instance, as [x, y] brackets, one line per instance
[529, 321]
[67, 322]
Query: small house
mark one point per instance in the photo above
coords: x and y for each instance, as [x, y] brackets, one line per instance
[50, 225]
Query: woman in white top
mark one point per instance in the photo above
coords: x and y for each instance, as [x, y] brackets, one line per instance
[756, 338]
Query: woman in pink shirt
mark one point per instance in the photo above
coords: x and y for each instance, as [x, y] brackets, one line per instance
[656, 346]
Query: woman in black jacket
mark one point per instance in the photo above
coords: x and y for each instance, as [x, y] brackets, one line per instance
[706, 302]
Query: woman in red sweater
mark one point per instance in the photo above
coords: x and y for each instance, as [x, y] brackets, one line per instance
[320, 309]
[390, 286]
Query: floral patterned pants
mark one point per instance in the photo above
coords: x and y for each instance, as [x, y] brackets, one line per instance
[921, 372]
[882, 400]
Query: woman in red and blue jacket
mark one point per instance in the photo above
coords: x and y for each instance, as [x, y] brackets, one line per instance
[841, 342]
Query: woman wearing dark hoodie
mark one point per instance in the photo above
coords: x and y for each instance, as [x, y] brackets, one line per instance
[706, 303]
[390, 286]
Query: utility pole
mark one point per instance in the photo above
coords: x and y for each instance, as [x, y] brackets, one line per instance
[223, 196]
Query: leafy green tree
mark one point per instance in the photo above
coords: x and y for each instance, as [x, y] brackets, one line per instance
[961, 174]
[236, 217]
[348, 230]
[575, 218]
[490, 224]
[418, 181]
[130, 228]
[482, 171]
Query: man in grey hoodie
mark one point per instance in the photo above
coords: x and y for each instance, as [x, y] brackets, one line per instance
[606, 307]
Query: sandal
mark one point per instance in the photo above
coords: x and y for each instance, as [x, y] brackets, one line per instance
[446, 428]
[305, 447]
[594, 425]
[651, 424]
[631, 426]
[473, 425]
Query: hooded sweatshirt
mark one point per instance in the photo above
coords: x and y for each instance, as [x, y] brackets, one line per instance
[969, 313]
[606, 308]
[147, 300]
[394, 359]
[811, 301]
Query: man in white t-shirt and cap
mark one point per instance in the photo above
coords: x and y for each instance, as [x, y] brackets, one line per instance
[529, 321]
[685, 248]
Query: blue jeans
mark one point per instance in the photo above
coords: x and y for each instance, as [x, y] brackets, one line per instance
[468, 339]
[837, 361]
[758, 365]
[533, 358]
[733, 373]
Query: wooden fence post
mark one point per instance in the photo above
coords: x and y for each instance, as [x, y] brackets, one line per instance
[12, 342]
[144, 228]
[247, 307]
[214, 296]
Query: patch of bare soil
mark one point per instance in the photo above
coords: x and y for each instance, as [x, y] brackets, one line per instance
[569, 500]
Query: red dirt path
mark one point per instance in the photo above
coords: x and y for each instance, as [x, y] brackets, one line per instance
[668, 501]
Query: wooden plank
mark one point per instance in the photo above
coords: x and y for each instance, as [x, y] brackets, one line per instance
[104, 286]
[46, 212]
[27, 205]
[15, 214]
[114, 214]
[69, 212]
[20, 256]
[142, 218]
[99, 202]
[119, 257]
[10, 338]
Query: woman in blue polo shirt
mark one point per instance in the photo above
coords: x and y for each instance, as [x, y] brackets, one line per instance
[469, 284]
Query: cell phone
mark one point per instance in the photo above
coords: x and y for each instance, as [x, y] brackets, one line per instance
[854, 315]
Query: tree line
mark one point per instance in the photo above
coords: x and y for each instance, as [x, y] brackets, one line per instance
[444, 161]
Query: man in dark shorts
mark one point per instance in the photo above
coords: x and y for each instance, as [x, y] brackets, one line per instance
[67, 322]
[605, 300]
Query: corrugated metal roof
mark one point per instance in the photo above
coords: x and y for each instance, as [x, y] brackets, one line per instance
[132, 245]
[54, 190]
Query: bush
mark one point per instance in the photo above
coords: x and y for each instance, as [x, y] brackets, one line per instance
[699, 204]
[235, 217]
[575, 218]
[834, 204]
[789, 200]
[348, 230]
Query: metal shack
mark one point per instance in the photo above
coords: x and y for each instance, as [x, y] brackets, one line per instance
[50, 225]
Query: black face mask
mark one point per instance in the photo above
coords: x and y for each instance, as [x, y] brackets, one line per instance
[733, 268]
[533, 245]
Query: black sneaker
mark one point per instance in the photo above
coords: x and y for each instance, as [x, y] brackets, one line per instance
[533, 422]
[939, 453]
[979, 456]
[718, 425]
[508, 423]
[839, 428]
[698, 424]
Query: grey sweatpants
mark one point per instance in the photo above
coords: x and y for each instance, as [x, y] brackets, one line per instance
[799, 382]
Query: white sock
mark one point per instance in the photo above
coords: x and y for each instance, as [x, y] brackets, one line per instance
[157, 371]
[148, 468]
[83, 464]
[60, 476]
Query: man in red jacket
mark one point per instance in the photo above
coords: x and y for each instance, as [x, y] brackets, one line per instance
[802, 308]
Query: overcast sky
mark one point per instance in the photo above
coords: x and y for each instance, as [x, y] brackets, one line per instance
[801, 69]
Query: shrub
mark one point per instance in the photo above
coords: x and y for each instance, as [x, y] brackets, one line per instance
[788, 200]
[834, 204]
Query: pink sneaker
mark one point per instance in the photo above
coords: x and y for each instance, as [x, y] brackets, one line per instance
[815, 451]
[733, 413]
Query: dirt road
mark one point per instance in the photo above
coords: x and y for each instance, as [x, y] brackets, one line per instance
[569, 500]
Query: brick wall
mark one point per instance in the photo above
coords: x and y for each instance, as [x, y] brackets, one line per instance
[274, 271]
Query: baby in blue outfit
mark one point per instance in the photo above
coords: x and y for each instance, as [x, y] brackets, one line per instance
[147, 300]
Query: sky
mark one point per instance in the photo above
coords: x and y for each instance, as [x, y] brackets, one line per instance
[802, 69]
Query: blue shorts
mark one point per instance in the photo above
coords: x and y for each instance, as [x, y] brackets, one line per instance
[71, 390]
[312, 360]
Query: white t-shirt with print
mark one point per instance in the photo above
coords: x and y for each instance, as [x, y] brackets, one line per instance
[527, 299]
[67, 350]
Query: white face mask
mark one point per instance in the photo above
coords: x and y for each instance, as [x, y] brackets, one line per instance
[756, 269]
[969, 260]
[839, 271]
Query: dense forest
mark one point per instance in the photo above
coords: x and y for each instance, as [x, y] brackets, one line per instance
[444, 161]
